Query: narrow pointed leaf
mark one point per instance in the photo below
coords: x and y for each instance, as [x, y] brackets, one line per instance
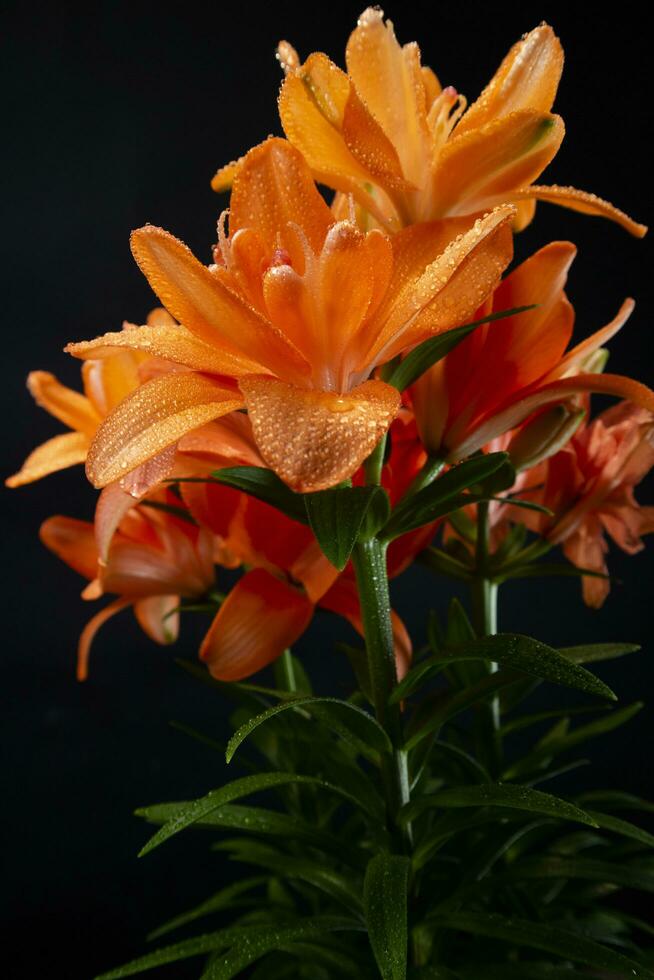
[229, 897]
[550, 939]
[622, 827]
[514, 651]
[337, 517]
[595, 652]
[264, 485]
[385, 892]
[588, 869]
[346, 719]
[498, 794]
[436, 348]
[202, 807]
[443, 495]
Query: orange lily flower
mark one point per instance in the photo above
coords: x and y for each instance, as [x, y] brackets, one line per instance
[407, 149]
[507, 370]
[153, 560]
[291, 321]
[590, 487]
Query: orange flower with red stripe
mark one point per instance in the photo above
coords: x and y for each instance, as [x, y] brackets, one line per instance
[290, 322]
[407, 149]
[507, 370]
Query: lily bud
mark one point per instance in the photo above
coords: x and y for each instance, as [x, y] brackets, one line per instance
[544, 435]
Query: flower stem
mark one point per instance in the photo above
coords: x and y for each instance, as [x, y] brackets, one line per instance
[288, 671]
[369, 559]
[484, 608]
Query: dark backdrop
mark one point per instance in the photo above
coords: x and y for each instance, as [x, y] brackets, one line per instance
[118, 114]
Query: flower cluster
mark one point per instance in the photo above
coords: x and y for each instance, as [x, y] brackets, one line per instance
[279, 355]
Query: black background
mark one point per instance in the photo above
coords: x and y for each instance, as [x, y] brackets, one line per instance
[118, 114]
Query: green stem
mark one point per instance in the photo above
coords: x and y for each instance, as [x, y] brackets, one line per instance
[427, 474]
[369, 560]
[288, 671]
[375, 462]
[484, 607]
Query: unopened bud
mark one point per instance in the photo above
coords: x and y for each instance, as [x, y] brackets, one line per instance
[544, 435]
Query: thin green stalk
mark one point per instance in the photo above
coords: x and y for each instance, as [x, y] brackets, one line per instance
[484, 608]
[369, 560]
[375, 462]
[288, 671]
[427, 474]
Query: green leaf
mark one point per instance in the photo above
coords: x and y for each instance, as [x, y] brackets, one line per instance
[229, 897]
[350, 722]
[435, 349]
[516, 971]
[385, 892]
[550, 939]
[606, 872]
[622, 827]
[550, 748]
[616, 799]
[337, 517]
[443, 495]
[198, 809]
[498, 794]
[511, 650]
[266, 940]
[595, 652]
[266, 486]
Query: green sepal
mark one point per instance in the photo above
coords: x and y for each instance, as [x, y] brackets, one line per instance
[385, 891]
[338, 517]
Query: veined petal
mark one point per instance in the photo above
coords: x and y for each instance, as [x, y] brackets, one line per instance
[157, 619]
[447, 292]
[479, 168]
[274, 187]
[260, 618]
[154, 416]
[314, 439]
[89, 631]
[173, 343]
[583, 201]
[527, 79]
[70, 407]
[586, 549]
[227, 441]
[512, 415]
[55, 454]
[113, 503]
[108, 381]
[72, 541]
[207, 307]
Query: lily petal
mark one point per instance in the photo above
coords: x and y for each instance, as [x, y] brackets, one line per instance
[207, 307]
[152, 418]
[56, 454]
[89, 631]
[482, 167]
[527, 79]
[260, 618]
[314, 439]
[156, 617]
[583, 201]
[575, 358]
[72, 541]
[173, 343]
[71, 408]
[274, 188]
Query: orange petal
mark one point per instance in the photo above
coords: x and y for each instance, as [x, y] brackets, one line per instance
[482, 167]
[173, 343]
[113, 503]
[260, 618]
[314, 439]
[53, 455]
[584, 201]
[446, 293]
[574, 359]
[206, 307]
[511, 416]
[388, 79]
[71, 408]
[527, 79]
[73, 541]
[151, 418]
[88, 635]
[586, 549]
[227, 441]
[108, 381]
[224, 178]
[274, 187]
[156, 617]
